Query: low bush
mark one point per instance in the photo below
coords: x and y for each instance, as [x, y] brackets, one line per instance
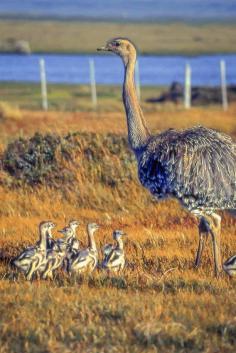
[53, 160]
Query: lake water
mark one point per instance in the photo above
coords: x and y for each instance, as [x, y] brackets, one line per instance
[220, 10]
[154, 70]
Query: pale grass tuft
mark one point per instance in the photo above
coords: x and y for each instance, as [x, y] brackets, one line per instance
[7, 112]
[168, 335]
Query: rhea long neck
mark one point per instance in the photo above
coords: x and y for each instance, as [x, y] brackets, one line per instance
[138, 133]
[119, 244]
[74, 230]
[91, 241]
[42, 239]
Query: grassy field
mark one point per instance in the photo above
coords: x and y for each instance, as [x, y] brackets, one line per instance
[160, 303]
[64, 97]
[85, 37]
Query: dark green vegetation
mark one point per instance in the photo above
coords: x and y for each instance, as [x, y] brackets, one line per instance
[85, 37]
[41, 159]
[33, 161]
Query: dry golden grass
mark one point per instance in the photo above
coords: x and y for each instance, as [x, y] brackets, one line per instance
[158, 117]
[147, 308]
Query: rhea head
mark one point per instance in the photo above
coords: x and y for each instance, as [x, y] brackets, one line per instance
[92, 227]
[122, 47]
[117, 234]
[74, 224]
[67, 232]
[47, 227]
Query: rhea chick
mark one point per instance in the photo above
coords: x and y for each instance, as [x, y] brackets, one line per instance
[32, 257]
[70, 229]
[73, 224]
[229, 266]
[74, 243]
[70, 244]
[86, 259]
[59, 253]
[115, 260]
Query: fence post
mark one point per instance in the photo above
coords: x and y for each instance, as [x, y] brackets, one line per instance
[93, 83]
[187, 87]
[137, 80]
[43, 84]
[223, 85]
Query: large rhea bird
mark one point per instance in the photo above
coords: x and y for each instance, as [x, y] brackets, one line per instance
[197, 166]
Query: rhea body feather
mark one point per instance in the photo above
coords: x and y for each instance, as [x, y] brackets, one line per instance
[197, 166]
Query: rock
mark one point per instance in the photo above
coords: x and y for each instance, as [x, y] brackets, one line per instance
[200, 95]
[22, 47]
[12, 45]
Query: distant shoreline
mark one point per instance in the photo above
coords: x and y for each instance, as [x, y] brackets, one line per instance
[162, 21]
[83, 37]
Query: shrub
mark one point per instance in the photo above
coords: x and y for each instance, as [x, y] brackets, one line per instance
[34, 160]
[53, 160]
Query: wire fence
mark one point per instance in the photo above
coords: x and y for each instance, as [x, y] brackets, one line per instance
[98, 72]
[94, 98]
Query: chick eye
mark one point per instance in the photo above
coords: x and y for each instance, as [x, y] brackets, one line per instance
[117, 44]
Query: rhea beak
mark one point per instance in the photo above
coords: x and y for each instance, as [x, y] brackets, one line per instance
[61, 231]
[103, 49]
[76, 224]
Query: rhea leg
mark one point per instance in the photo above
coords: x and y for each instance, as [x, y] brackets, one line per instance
[215, 233]
[214, 223]
[31, 270]
[203, 235]
[48, 271]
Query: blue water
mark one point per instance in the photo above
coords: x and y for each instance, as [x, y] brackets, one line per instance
[123, 9]
[154, 70]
